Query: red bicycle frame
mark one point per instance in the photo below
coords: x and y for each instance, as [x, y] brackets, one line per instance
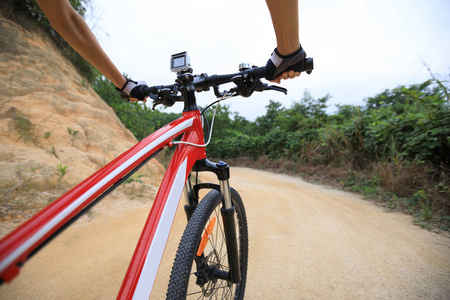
[27, 239]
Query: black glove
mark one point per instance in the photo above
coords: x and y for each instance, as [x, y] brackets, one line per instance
[134, 89]
[278, 63]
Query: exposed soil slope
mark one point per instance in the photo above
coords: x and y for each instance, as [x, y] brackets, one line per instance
[54, 129]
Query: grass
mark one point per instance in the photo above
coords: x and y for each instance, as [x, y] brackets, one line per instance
[52, 151]
[23, 180]
[165, 156]
[135, 178]
[130, 186]
[24, 127]
[61, 170]
[73, 133]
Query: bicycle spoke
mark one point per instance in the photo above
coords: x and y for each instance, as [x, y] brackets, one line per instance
[217, 289]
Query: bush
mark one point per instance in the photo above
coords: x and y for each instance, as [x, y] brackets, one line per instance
[137, 117]
[395, 148]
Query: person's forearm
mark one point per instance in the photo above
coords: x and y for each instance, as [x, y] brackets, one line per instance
[284, 15]
[71, 26]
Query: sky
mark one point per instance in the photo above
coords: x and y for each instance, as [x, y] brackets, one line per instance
[360, 48]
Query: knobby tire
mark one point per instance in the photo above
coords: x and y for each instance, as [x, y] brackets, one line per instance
[189, 279]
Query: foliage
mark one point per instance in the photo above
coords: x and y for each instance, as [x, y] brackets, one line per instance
[52, 151]
[137, 117]
[24, 127]
[410, 122]
[20, 123]
[72, 132]
[135, 178]
[395, 147]
[407, 123]
[62, 170]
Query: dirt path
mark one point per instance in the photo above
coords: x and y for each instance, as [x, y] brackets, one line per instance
[306, 242]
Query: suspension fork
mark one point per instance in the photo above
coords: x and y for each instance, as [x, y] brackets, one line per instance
[191, 198]
[228, 211]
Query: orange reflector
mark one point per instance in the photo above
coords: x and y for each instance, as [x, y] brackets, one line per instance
[206, 236]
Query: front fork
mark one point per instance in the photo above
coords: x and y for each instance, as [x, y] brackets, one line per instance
[222, 171]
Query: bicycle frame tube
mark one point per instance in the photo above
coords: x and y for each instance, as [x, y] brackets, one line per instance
[138, 281]
[17, 247]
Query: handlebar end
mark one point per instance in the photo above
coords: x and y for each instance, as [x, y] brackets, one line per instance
[309, 65]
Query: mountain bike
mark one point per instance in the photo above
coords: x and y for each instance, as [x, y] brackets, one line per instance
[211, 260]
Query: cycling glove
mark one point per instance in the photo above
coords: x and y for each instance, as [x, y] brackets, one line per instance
[278, 63]
[134, 89]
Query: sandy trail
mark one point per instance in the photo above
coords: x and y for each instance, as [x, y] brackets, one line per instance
[306, 242]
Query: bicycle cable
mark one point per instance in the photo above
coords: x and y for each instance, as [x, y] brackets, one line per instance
[224, 97]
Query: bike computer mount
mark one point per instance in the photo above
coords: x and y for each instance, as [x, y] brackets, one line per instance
[180, 62]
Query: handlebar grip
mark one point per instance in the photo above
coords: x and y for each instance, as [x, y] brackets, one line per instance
[306, 65]
[259, 72]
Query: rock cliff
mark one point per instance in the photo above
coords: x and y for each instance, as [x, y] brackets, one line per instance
[54, 129]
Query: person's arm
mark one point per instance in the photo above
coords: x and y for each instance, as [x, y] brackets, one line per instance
[71, 26]
[284, 14]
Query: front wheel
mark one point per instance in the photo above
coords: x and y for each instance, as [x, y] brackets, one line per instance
[200, 269]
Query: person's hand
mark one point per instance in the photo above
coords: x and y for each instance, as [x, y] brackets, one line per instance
[286, 75]
[133, 91]
[280, 67]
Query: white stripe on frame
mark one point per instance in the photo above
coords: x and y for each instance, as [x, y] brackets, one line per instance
[156, 251]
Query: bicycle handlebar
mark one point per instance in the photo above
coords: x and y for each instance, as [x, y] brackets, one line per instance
[247, 81]
[306, 65]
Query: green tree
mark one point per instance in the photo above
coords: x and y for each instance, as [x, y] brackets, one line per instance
[270, 119]
[306, 113]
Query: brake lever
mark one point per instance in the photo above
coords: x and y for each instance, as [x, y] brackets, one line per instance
[155, 103]
[156, 100]
[276, 88]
